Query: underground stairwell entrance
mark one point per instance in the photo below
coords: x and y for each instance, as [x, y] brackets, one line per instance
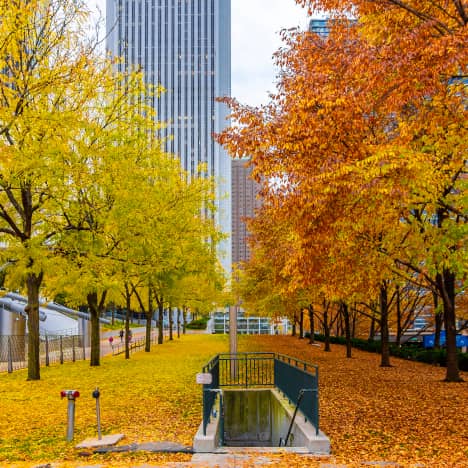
[260, 401]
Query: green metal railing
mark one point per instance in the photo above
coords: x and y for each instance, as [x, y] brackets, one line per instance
[297, 379]
[246, 370]
[293, 376]
[209, 395]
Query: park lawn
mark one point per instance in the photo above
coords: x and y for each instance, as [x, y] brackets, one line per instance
[151, 397]
[404, 414]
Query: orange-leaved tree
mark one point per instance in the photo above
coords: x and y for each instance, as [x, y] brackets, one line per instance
[363, 149]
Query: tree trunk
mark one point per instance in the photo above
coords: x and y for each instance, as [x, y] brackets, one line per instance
[178, 322]
[128, 297]
[312, 324]
[446, 284]
[326, 329]
[170, 323]
[372, 328]
[438, 320]
[347, 324]
[384, 333]
[33, 282]
[184, 319]
[149, 316]
[160, 320]
[301, 323]
[95, 309]
[339, 325]
[399, 317]
[293, 329]
[353, 329]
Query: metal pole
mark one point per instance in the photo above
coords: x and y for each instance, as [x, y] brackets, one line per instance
[233, 338]
[47, 351]
[71, 419]
[73, 348]
[221, 420]
[10, 356]
[96, 395]
[61, 350]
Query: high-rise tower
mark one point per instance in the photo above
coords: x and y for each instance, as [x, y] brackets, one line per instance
[184, 45]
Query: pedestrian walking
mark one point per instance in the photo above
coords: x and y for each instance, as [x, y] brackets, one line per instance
[121, 334]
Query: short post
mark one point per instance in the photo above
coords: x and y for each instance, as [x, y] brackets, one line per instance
[61, 350]
[47, 351]
[10, 356]
[71, 396]
[96, 395]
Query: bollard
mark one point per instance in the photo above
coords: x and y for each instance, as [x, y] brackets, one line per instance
[10, 356]
[61, 350]
[97, 394]
[71, 396]
[47, 360]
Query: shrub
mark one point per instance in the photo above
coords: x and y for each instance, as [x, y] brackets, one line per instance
[412, 353]
[199, 324]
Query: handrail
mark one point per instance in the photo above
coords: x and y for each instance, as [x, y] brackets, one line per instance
[298, 363]
[298, 402]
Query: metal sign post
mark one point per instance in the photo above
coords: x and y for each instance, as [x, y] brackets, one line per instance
[97, 394]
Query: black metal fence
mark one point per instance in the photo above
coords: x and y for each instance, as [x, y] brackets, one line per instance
[134, 345]
[291, 376]
[52, 349]
[246, 370]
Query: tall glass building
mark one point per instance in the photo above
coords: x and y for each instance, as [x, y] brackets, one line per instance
[184, 45]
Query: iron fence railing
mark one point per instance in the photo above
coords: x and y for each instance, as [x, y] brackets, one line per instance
[52, 349]
[134, 345]
[297, 379]
[246, 369]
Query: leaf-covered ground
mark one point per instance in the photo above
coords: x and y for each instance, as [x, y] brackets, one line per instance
[151, 397]
[403, 414]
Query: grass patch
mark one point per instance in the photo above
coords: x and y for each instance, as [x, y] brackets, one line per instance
[151, 397]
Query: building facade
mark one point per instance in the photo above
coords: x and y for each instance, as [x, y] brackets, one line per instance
[319, 26]
[185, 46]
[244, 202]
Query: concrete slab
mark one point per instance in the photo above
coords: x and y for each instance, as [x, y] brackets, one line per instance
[210, 441]
[254, 450]
[110, 439]
[228, 460]
[165, 447]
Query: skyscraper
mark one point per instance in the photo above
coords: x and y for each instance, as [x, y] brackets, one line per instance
[244, 203]
[184, 45]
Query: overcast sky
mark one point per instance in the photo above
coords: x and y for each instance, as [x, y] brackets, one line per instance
[255, 37]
